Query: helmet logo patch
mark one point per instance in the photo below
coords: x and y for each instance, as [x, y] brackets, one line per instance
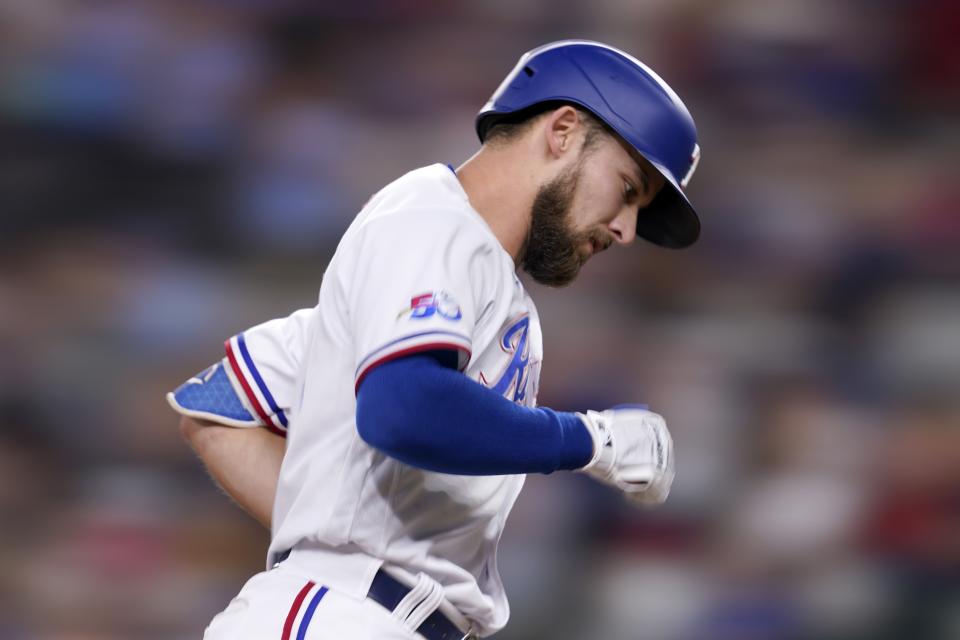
[694, 161]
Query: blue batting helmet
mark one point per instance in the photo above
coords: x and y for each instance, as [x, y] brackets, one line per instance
[629, 98]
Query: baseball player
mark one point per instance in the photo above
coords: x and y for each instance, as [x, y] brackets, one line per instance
[406, 399]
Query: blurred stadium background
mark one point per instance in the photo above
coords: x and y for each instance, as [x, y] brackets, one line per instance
[173, 171]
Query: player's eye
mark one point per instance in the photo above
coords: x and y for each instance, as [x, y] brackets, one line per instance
[629, 191]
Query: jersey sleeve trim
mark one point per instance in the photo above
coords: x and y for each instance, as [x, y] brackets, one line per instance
[415, 343]
[259, 396]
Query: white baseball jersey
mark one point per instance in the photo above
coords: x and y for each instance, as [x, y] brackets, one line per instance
[417, 270]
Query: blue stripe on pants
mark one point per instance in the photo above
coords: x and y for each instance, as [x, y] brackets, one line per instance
[308, 614]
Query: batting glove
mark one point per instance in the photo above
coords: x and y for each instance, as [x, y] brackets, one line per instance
[632, 451]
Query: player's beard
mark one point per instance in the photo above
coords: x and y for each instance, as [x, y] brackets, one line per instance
[550, 254]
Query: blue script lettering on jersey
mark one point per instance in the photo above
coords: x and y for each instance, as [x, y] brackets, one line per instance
[512, 383]
[440, 303]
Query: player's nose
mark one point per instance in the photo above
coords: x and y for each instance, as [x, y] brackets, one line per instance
[624, 226]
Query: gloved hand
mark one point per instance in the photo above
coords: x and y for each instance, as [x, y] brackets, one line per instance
[632, 451]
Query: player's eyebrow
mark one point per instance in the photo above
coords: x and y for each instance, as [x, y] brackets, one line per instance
[642, 176]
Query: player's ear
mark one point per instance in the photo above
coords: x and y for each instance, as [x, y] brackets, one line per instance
[561, 126]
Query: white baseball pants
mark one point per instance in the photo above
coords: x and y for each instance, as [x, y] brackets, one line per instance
[283, 604]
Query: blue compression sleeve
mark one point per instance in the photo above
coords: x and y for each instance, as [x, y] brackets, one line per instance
[429, 416]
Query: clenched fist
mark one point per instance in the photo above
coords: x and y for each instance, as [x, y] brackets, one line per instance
[632, 451]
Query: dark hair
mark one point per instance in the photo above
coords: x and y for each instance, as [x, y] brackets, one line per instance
[501, 129]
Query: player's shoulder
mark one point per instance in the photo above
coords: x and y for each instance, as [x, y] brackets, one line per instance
[425, 202]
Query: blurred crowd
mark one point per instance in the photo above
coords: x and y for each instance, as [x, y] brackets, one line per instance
[174, 171]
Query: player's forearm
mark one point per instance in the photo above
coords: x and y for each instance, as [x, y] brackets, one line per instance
[244, 462]
[432, 417]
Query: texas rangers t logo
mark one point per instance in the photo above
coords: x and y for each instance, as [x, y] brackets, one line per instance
[512, 383]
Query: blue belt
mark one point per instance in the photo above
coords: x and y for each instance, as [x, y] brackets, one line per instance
[388, 592]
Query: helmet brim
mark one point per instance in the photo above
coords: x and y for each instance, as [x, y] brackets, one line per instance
[669, 220]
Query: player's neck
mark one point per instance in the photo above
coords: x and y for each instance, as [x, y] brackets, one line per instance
[501, 188]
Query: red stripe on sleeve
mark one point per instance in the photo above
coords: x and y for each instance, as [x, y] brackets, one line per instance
[420, 348]
[238, 372]
[294, 609]
[279, 432]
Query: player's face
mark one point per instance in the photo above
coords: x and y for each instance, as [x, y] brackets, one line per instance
[591, 205]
